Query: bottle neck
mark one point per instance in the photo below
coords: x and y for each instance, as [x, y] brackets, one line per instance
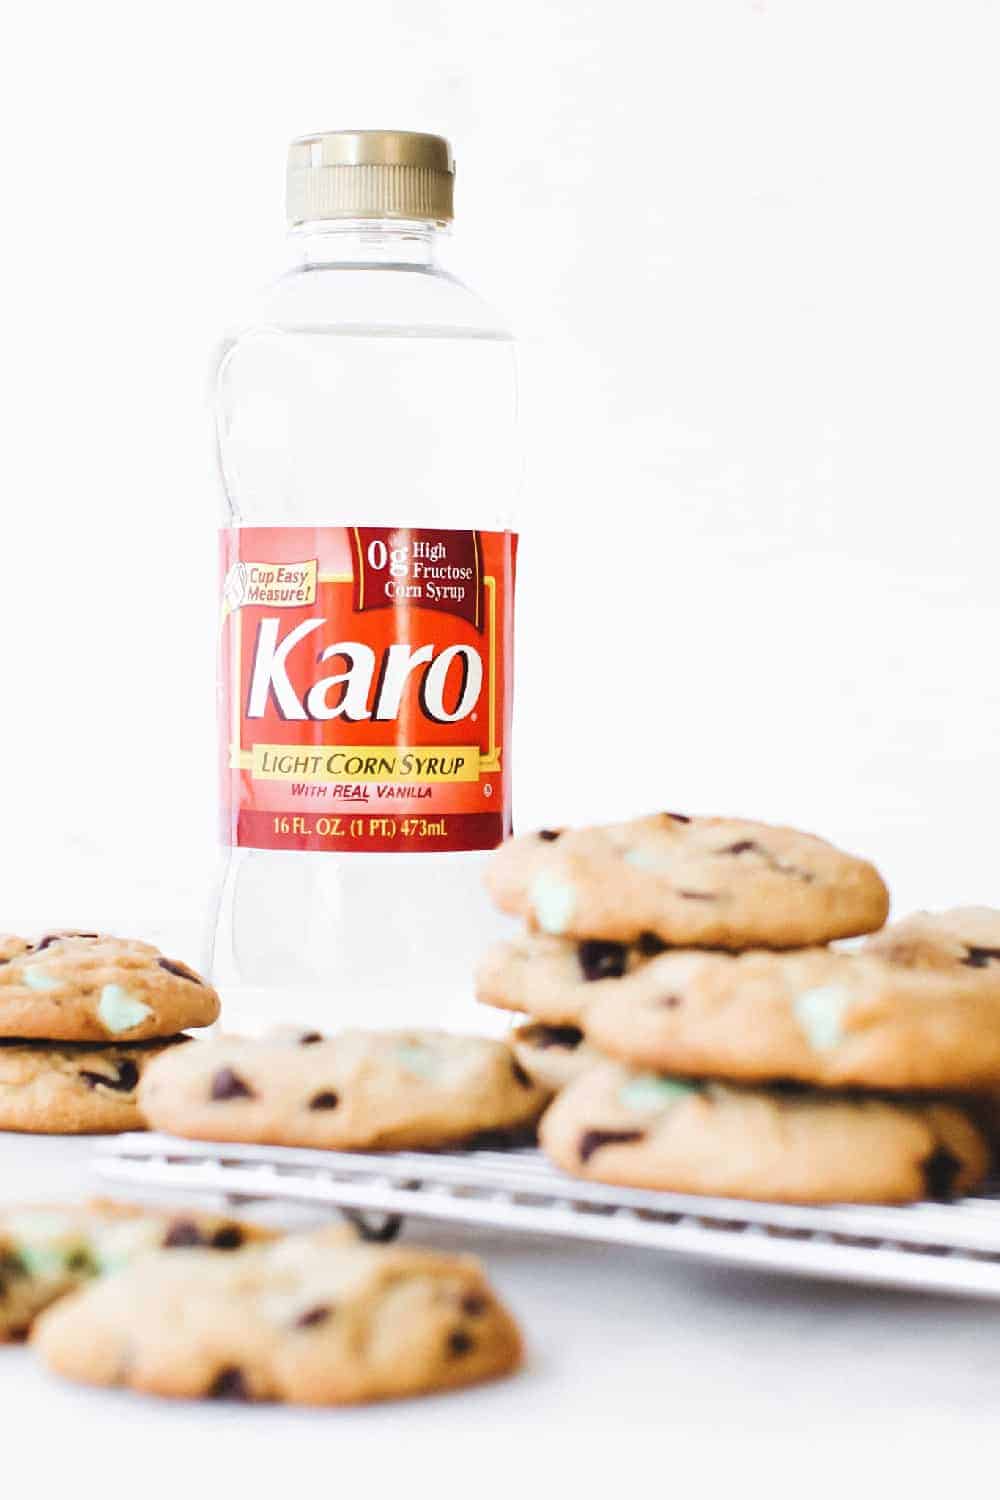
[365, 242]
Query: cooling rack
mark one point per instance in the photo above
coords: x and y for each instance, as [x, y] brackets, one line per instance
[948, 1248]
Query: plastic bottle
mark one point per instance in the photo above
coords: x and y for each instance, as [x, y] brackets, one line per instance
[366, 433]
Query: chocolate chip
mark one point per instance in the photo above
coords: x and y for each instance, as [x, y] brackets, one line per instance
[185, 1232]
[521, 1075]
[941, 1171]
[128, 1077]
[229, 1085]
[677, 817]
[979, 958]
[125, 1081]
[229, 1237]
[649, 945]
[556, 1036]
[314, 1316]
[600, 960]
[698, 895]
[325, 1100]
[181, 1234]
[11, 1267]
[549, 835]
[474, 1305]
[229, 1385]
[593, 1140]
[57, 937]
[460, 1342]
[748, 846]
[179, 971]
[310, 1038]
[501, 1140]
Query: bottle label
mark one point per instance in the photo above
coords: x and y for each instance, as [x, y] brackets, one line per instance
[365, 687]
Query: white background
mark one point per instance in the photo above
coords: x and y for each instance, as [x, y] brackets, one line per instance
[751, 252]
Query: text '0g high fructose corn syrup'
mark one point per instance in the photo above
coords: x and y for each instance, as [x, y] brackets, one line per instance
[366, 427]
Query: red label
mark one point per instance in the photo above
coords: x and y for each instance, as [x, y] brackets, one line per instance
[365, 687]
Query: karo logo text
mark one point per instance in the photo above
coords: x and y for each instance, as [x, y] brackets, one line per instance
[370, 686]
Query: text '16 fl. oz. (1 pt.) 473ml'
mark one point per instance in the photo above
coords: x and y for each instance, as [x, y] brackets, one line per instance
[366, 435]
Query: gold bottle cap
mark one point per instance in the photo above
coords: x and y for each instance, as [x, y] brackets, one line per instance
[370, 174]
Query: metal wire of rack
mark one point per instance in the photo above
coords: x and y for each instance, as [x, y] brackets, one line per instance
[947, 1248]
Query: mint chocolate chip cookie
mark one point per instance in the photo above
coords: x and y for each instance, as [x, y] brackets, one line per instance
[74, 1088]
[88, 987]
[552, 1055]
[311, 1319]
[551, 978]
[691, 882]
[783, 1143]
[48, 1250]
[358, 1090]
[917, 1007]
[948, 942]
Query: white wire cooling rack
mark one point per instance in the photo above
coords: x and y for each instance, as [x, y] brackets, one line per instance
[949, 1248]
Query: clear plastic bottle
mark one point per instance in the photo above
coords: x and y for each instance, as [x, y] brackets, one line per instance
[368, 389]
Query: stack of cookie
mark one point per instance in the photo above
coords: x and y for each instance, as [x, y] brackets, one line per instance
[81, 1016]
[706, 1039]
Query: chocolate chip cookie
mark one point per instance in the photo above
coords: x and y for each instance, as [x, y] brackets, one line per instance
[552, 1055]
[309, 1319]
[87, 987]
[693, 882]
[74, 1088]
[917, 1007]
[948, 942]
[552, 978]
[355, 1091]
[51, 1249]
[787, 1144]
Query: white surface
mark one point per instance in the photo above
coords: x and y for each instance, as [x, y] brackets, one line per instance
[667, 1356]
[750, 247]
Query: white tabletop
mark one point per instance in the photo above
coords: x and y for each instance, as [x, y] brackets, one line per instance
[701, 1370]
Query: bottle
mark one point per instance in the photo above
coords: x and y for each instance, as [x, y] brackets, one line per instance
[366, 416]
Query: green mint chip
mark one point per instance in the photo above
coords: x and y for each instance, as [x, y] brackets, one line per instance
[649, 1091]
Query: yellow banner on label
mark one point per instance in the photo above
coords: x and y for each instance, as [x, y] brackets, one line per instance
[277, 585]
[406, 763]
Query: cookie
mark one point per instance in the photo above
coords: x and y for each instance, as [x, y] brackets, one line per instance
[74, 1088]
[787, 1144]
[553, 1055]
[309, 1319]
[86, 987]
[950, 942]
[891, 1015]
[689, 882]
[551, 978]
[354, 1091]
[49, 1250]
